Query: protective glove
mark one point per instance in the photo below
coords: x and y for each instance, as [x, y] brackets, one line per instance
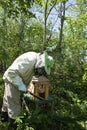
[22, 88]
[28, 95]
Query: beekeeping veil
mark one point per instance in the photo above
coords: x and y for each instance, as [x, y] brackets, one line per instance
[44, 61]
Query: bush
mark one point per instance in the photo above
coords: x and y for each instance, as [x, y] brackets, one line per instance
[1, 90]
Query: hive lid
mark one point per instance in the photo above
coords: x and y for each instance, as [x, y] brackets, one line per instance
[40, 79]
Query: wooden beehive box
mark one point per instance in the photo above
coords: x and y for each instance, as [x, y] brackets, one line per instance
[40, 86]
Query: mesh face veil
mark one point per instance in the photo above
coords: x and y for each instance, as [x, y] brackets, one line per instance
[44, 61]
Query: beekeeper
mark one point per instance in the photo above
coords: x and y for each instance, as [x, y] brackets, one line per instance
[17, 78]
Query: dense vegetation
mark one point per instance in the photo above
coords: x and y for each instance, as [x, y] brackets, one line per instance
[60, 27]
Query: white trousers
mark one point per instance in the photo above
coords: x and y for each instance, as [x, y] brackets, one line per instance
[11, 100]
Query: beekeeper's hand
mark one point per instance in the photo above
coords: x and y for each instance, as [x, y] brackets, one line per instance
[28, 95]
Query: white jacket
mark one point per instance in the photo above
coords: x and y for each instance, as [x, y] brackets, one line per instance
[22, 70]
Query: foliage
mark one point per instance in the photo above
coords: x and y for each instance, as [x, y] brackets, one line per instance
[36, 119]
[15, 8]
[21, 31]
[3, 126]
[1, 90]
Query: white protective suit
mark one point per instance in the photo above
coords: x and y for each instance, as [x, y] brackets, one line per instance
[16, 78]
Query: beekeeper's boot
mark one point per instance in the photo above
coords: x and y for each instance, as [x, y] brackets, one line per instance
[4, 116]
[12, 124]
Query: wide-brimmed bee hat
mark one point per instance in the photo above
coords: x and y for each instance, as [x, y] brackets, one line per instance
[46, 61]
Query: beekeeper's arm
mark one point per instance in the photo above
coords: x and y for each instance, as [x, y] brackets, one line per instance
[15, 79]
[21, 68]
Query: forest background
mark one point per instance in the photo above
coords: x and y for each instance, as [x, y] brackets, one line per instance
[60, 27]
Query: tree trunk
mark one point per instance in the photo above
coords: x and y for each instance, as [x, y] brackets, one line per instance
[59, 47]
